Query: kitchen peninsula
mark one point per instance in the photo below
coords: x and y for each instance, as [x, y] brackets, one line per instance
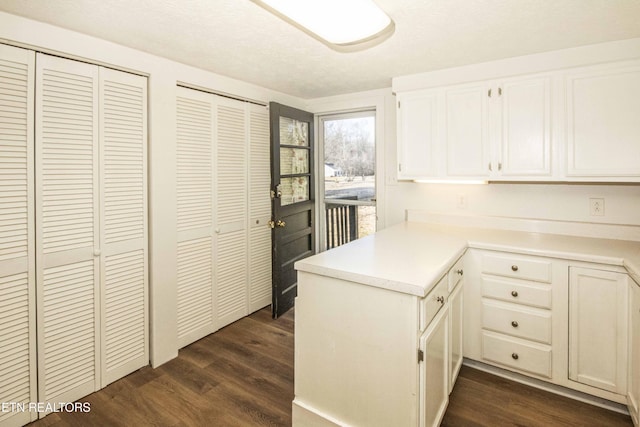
[383, 322]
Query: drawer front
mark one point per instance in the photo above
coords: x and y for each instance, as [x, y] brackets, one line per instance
[521, 267]
[432, 303]
[519, 293]
[455, 274]
[523, 356]
[517, 321]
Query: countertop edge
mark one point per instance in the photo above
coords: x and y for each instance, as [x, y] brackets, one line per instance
[430, 280]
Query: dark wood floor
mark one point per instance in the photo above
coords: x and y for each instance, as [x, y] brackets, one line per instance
[480, 399]
[243, 376]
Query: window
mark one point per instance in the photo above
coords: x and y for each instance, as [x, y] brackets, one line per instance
[349, 189]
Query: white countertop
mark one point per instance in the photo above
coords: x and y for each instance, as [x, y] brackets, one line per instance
[412, 256]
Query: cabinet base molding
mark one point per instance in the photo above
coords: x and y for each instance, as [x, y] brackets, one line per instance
[304, 415]
[552, 388]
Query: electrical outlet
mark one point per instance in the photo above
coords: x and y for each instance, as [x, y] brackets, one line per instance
[596, 206]
[462, 201]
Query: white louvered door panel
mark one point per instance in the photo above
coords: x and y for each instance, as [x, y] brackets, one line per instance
[123, 180]
[195, 215]
[17, 252]
[231, 249]
[259, 208]
[67, 223]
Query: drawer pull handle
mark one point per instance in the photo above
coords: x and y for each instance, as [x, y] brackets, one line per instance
[514, 324]
[440, 300]
[514, 267]
[514, 356]
[514, 293]
[460, 272]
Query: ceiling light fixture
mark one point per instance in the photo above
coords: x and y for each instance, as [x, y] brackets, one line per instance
[341, 24]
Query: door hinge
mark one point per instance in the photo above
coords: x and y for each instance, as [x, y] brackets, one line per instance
[420, 356]
[399, 167]
[499, 91]
[398, 104]
[489, 93]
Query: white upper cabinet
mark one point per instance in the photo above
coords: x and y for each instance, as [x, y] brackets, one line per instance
[544, 117]
[467, 131]
[603, 125]
[418, 131]
[486, 130]
[500, 130]
[524, 138]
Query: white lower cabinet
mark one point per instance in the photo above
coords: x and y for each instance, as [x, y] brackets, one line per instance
[510, 317]
[563, 322]
[598, 328]
[456, 323]
[633, 392]
[367, 356]
[434, 371]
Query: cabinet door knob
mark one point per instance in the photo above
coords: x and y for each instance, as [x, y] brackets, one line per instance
[514, 293]
[514, 324]
[514, 356]
[440, 300]
[514, 267]
[460, 272]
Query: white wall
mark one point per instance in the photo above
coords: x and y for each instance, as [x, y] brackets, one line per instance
[563, 202]
[163, 77]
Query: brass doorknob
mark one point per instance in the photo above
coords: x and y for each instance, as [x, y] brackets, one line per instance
[280, 223]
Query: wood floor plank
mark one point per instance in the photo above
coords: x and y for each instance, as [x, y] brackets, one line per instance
[483, 399]
[243, 376]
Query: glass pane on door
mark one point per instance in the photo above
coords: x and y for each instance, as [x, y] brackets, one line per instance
[294, 190]
[294, 161]
[293, 132]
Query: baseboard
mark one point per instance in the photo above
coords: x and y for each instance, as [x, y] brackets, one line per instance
[303, 415]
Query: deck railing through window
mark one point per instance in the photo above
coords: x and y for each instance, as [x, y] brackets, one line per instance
[341, 223]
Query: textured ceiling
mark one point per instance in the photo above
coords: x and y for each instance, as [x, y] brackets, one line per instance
[239, 39]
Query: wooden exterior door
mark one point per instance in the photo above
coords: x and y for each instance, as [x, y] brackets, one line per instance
[292, 180]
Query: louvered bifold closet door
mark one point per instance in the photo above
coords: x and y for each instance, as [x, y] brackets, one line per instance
[67, 237]
[17, 251]
[123, 267]
[259, 208]
[231, 191]
[195, 215]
